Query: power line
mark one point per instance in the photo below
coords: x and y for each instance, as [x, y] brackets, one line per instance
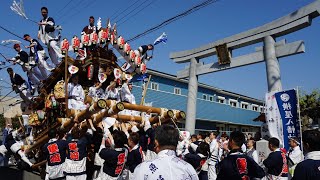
[9, 98]
[131, 5]
[5, 29]
[5, 96]
[86, 6]
[140, 10]
[64, 7]
[170, 20]
[62, 15]
[131, 11]
[5, 46]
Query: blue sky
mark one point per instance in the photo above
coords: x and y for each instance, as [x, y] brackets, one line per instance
[216, 21]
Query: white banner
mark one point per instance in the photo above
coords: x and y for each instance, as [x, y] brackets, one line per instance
[273, 118]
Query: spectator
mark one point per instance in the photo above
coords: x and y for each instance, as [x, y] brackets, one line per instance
[276, 163]
[193, 138]
[167, 165]
[214, 153]
[237, 165]
[223, 149]
[309, 168]
[6, 132]
[200, 138]
[198, 160]
[294, 155]
[251, 152]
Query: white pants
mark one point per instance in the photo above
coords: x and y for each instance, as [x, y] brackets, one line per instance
[78, 177]
[54, 52]
[54, 172]
[104, 176]
[42, 64]
[24, 93]
[35, 72]
[212, 174]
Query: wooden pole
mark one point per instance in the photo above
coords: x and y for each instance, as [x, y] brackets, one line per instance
[145, 91]
[66, 81]
[141, 108]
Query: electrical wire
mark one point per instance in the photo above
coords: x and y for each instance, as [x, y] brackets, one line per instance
[117, 12]
[5, 96]
[64, 7]
[5, 46]
[64, 14]
[140, 10]
[79, 10]
[10, 32]
[131, 11]
[9, 98]
[170, 20]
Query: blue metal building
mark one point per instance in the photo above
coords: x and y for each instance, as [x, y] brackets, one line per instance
[216, 108]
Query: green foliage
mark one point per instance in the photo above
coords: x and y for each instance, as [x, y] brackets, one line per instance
[310, 105]
[2, 121]
[15, 122]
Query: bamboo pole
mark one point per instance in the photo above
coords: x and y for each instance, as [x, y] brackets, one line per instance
[145, 91]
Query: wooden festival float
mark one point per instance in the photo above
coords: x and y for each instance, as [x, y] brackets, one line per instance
[49, 110]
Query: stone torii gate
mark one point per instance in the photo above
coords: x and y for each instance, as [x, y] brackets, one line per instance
[269, 53]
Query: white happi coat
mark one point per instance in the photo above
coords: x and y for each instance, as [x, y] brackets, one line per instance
[96, 94]
[296, 156]
[78, 93]
[126, 94]
[166, 166]
[112, 94]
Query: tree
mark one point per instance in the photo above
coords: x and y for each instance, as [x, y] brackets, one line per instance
[15, 122]
[2, 121]
[310, 107]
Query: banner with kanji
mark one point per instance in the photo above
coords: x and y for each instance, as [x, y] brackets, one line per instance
[273, 118]
[288, 108]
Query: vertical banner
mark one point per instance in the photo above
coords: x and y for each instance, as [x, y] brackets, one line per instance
[288, 108]
[273, 117]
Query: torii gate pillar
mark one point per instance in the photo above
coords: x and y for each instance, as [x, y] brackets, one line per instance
[192, 96]
[272, 64]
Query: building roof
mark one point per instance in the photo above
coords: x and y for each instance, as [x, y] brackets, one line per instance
[173, 77]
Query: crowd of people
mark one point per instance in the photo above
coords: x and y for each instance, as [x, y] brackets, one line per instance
[140, 151]
[163, 152]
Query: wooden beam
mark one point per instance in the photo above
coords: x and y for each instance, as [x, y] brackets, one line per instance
[280, 27]
[253, 58]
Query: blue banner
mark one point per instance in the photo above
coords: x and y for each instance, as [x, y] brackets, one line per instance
[288, 108]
